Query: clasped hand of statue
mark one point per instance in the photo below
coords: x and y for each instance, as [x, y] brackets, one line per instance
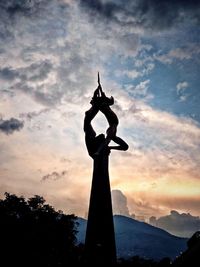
[100, 99]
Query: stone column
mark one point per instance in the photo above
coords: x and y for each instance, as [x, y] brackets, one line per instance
[100, 238]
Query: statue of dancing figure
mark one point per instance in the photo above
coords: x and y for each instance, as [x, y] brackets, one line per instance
[96, 144]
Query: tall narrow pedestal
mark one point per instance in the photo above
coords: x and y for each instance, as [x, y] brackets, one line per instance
[100, 238]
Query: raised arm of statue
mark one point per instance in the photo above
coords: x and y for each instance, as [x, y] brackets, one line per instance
[92, 141]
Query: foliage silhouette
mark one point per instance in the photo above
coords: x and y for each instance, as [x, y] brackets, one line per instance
[34, 234]
[190, 257]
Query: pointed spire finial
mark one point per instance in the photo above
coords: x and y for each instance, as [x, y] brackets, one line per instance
[98, 79]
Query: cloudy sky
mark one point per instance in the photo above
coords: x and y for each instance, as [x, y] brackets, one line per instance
[148, 55]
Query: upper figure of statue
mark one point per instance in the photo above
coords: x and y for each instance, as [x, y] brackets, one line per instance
[99, 144]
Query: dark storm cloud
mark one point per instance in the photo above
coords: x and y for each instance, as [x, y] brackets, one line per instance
[11, 125]
[35, 72]
[8, 74]
[42, 56]
[24, 6]
[40, 94]
[54, 176]
[150, 14]
[25, 79]
[179, 224]
[48, 98]
[11, 10]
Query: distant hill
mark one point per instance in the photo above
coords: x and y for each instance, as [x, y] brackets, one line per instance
[139, 238]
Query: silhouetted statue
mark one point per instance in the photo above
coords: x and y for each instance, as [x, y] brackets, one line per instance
[100, 238]
[96, 143]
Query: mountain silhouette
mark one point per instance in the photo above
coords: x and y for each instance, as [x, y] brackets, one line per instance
[139, 238]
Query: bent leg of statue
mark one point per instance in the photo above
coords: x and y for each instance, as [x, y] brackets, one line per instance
[122, 144]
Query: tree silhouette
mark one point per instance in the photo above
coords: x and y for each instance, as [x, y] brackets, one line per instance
[34, 234]
[190, 257]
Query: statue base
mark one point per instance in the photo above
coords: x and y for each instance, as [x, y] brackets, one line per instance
[100, 238]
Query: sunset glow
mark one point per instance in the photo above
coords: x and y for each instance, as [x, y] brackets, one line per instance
[50, 54]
